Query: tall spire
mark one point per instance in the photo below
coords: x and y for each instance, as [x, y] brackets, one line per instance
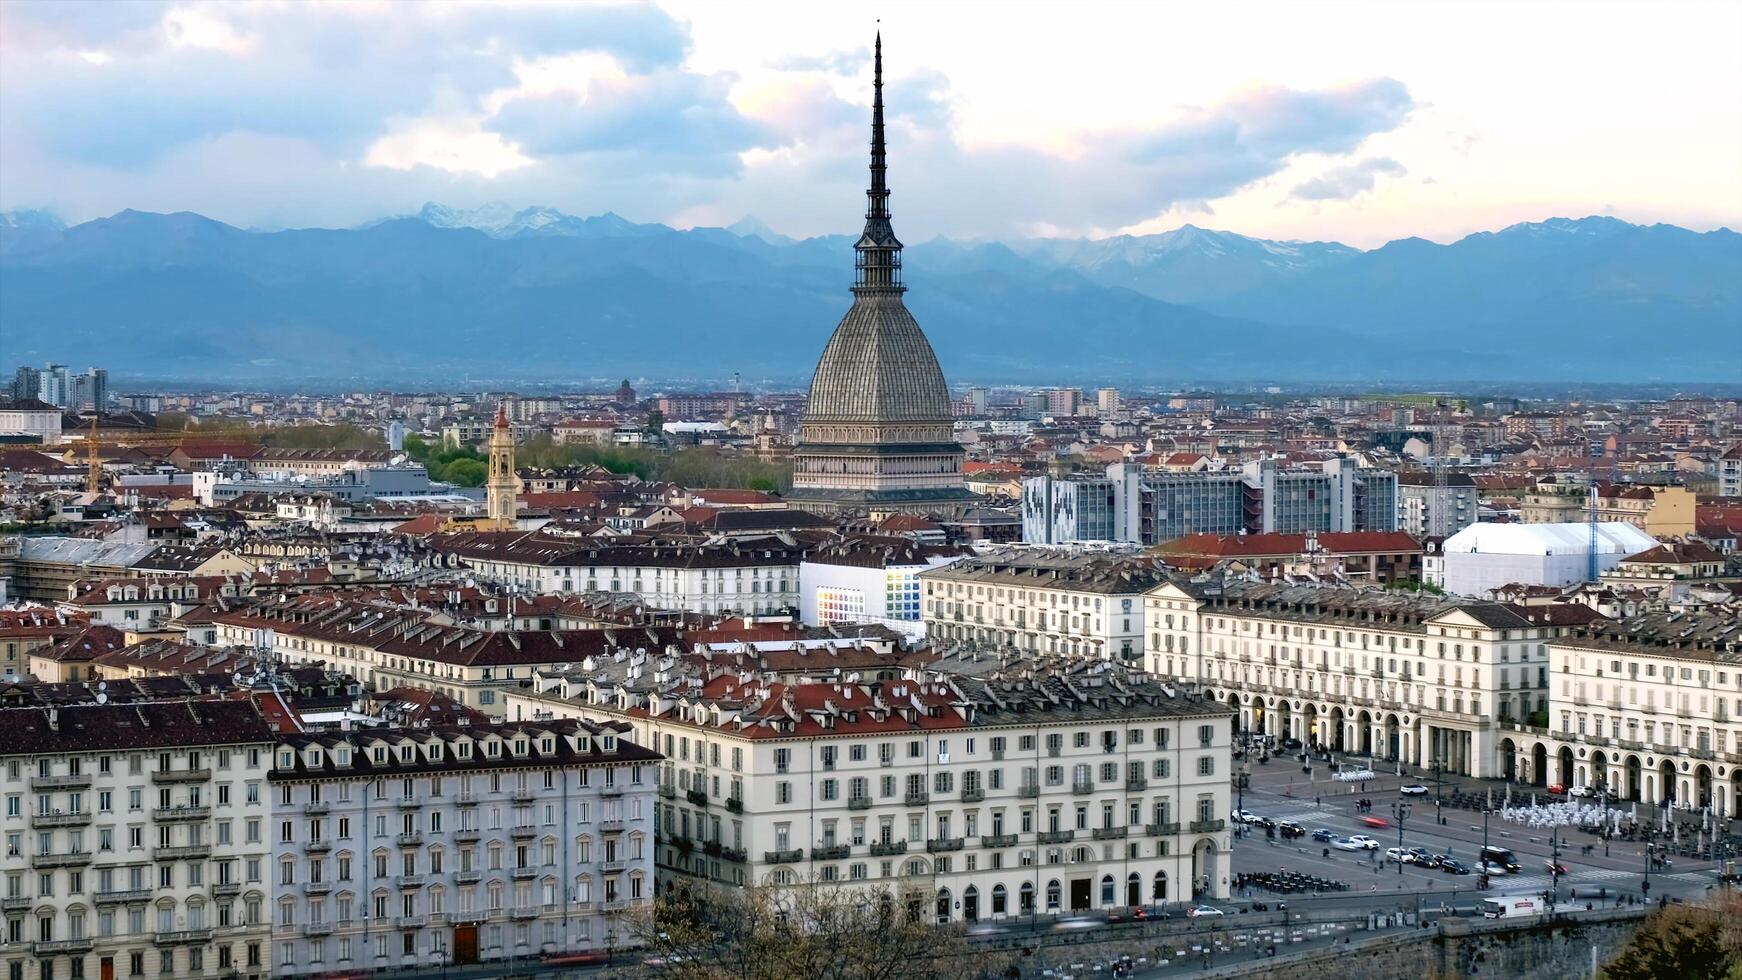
[879, 251]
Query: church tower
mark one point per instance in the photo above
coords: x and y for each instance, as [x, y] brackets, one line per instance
[878, 434]
[503, 487]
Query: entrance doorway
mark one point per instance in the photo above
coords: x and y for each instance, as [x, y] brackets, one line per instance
[1080, 894]
[466, 944]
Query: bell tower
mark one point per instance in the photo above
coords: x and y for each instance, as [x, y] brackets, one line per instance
[502, 489]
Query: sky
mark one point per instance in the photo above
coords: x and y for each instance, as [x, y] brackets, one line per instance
[1354, 122]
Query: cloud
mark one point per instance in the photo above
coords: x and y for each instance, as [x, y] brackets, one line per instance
[1342, 183]
[850, 61]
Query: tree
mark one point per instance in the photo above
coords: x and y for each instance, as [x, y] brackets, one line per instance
[464, 472]
[1689, 942]
[815, 931]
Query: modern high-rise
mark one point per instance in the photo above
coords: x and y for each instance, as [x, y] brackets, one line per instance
[878, 431]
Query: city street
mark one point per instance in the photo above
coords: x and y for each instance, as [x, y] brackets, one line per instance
[1280, 791]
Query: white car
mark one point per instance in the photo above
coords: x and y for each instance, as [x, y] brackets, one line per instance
[1365, 841]
[1347, 844]
[1399, 855]
[1491, 868]
[1244, 816]
[1202, 911]
[1581, 791]
[1413, 789]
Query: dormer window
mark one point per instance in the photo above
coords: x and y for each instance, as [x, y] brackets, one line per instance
[286, 759]
[490, 748]
[465, 749]
[406, 753]
[380, 754]
[520, 746]
[610, 743]
[434, 749]
[547, 745]
[344, 756]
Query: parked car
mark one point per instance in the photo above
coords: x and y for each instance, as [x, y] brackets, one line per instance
[1203, 911]
[1557, 788]
[1413, 789]
[1581, 791]
[1324, 835]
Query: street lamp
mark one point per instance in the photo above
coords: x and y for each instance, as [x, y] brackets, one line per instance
[1401, 812]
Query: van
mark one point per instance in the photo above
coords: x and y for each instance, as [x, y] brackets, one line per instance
[1512, 906]
[1501, 856]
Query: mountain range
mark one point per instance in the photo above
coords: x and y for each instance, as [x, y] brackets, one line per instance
[538, 294]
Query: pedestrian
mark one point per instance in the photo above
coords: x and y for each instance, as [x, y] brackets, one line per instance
[1373, 889]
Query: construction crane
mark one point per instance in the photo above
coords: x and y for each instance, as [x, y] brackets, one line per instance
[92, 442]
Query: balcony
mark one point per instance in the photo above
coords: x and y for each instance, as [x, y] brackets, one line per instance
[410, 802]
[734, 804]
[858, 802]
[1161, 829]
[411, 839]
[466, 799]
[118, 897]
[523, 833]
[1056, 836]
[1028, 792]
[317, 887]
[1135, 784]
[1209, 826]
[408, 881]
[523, 874]
[418, 921]
[317, 929]
[172, 814]
[611, 826]
[974, 795]
[43, 784]
[890, 849]
[613, 867]
[42, 821]
[610, 790]
[697, 797]
[467, 877]
[317, 846]
[182, 937]
[1082, 787]
[919, 798]
[471, 835]
[524, 796]
[1632, 745]
[998, 840]
[712, 848]
[783, 857]
[316, 809]
[737, 854]
[187, 852]
[617, 905]
[71, 859]
[1596, 740]
[668, 791]
[1110, 833]
[58, 946]
[21, 903]
[1702, 753]
[168, 776]
[832, 852]
[227, 889]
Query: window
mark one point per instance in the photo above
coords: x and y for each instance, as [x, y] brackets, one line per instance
[1206, 765]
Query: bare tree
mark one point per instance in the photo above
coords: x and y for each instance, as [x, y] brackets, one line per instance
[816, 931]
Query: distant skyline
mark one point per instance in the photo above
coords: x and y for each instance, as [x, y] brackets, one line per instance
[1359, 123]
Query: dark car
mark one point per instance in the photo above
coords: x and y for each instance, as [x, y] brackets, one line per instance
[1290, 830]
[1322, 834]
[1291, 744]
[1260, 907]
[1452, 867]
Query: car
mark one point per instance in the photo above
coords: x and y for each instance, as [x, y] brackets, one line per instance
[1375, 822]
[1291, 744]
[1203, 912]
[1345, 844]
[1244, 816]
[1419, 854]
[1076, 922]
[1491, 868]
[1413, 789]
[1557, 788]
[1260, 907]
[1451, 867]
[1555, 868]
[1365, 841]
[1290, 830]
[1398, 855]
[1581, 791]
[1324, 835]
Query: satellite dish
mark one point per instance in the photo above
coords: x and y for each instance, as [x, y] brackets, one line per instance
[102, 698]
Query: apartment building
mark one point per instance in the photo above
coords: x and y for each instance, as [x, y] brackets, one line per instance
[422, 848]
[135, 840]
[1364, 671]
[977, 787]
[1426, 507]
[386, 647]
[758, 575]
[1647, 708]
[1078, 604]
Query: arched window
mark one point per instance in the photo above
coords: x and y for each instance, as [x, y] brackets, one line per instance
[1025, 898]
[999, 898]
[1159, 892]
[1106, 889]
[1052, 895]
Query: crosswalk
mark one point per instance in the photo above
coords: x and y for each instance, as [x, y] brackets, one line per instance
[1693, 876]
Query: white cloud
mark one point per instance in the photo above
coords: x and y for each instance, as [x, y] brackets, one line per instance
[456, 144]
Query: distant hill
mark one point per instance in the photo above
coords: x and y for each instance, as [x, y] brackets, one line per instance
[537, 293]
